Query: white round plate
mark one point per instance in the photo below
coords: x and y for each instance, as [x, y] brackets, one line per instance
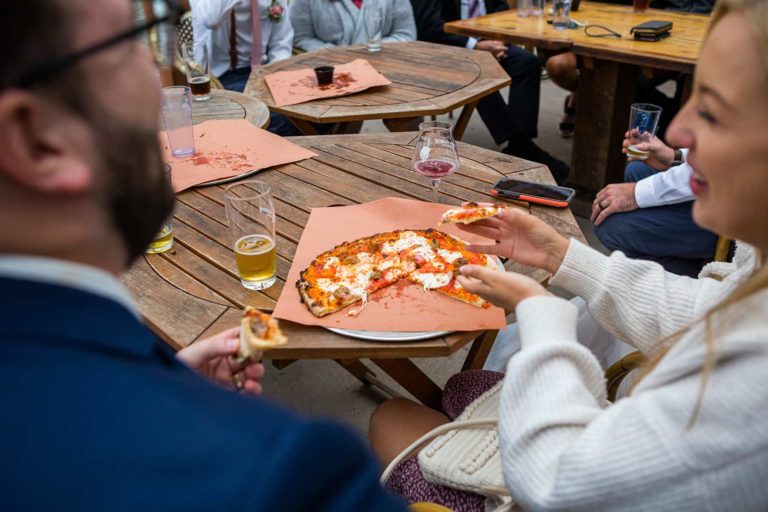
[388, 336]
[230, 179]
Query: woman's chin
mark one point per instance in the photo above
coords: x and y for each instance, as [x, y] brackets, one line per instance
[703, 217]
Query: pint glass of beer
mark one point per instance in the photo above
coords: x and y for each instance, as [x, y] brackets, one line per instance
[643, 121]
[164, 238]
[197, 65]
[251, 218]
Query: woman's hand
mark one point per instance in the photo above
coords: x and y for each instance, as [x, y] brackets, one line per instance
[213, 359]
[505, 289]
[520, 237]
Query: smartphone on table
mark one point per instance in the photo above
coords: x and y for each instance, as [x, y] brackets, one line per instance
[539, 193]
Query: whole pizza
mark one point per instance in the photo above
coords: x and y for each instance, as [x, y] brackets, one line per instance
[350, 272]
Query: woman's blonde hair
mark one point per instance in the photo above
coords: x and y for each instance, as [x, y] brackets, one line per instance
[757, 16]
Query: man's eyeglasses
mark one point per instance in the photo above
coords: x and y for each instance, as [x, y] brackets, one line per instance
[169, 13]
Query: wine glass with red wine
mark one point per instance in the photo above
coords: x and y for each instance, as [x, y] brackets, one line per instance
[435, 153]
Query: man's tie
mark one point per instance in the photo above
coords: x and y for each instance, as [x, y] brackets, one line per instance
[256, 30]
[474, 8]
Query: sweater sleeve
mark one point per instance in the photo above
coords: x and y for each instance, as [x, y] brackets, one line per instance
[562, 448]
[403, 25]
[303, 31]
[637, 301]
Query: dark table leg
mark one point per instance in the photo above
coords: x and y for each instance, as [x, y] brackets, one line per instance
[410, 376]
[606, 90]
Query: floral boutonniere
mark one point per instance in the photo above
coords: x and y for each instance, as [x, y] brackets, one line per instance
[275, 11]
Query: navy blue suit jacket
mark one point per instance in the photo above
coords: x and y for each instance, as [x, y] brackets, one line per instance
[98, 415]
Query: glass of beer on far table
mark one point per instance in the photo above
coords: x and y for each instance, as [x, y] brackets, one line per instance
[643, 121]
[251, 218]
[164, 238]
[197, 65]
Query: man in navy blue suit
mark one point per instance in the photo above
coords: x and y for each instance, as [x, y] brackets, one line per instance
[97, 413]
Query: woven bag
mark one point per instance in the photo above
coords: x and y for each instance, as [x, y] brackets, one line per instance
[464, 454]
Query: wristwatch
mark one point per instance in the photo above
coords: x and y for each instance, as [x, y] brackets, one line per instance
[677, 159]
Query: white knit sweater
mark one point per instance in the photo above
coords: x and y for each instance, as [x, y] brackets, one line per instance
[564, 448]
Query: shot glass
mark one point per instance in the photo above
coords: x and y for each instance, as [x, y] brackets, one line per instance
[643, 121]
[177, 116]
[251, 219]
[324, 75]
[640, 5]
[373, 19]
[197, 66]
[164, 238]
[561, 14]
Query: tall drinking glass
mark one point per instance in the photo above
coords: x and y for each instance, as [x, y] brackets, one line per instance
[643, 121]
[435, 154]
[373, 20]
[251, 218]
[561, 14]
[197, 67]
[177, 116]
[164, 238]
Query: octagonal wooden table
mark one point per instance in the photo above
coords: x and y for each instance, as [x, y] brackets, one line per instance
[226, 104]
[427, 79]
[193, 290]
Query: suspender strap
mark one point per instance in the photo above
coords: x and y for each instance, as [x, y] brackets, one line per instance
[232, 41]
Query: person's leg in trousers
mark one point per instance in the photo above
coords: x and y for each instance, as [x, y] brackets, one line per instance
[665, 234]
[520, 117]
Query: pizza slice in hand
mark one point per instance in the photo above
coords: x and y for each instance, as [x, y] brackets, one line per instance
[469, 212]
[258, 332]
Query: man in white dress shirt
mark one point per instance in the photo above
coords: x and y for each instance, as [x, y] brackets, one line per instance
[212, 22]
[653, 218]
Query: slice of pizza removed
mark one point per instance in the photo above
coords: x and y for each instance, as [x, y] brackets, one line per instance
[258, 332]
[469, 213]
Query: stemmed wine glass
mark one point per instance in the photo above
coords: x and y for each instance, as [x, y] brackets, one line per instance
[435, 153]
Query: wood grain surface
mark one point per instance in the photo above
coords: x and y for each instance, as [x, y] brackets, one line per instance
[427, 79]
[678, 52]
[193, 290]
[226, 104]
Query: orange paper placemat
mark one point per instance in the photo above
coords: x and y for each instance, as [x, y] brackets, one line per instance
[226, 148]
[401, 307]
[300, 86]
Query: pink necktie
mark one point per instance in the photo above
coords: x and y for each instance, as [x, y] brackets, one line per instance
[474, 8]
[256, 31]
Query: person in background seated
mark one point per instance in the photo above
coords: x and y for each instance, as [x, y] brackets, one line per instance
[692, 434]
[649, 217]
[325, 23]
[212, 23]
[563, 70]
[99, 413]
[514, 122]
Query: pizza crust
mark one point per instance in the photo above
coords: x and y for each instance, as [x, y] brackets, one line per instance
[258, 332]
[351, 271]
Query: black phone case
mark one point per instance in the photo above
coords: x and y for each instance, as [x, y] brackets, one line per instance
[651, 28]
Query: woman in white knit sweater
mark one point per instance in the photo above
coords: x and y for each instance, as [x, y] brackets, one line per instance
[693, 433]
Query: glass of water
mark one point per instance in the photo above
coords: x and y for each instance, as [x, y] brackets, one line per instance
[373, 19]
[177, 116]
[561, 14]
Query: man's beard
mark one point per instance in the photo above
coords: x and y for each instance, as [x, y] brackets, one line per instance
[139, 194]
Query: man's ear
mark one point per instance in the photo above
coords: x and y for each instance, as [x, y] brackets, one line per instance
[42, 147]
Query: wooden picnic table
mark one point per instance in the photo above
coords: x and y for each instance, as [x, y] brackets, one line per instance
[194, 291]
[226, 104]
[427, 79]
[609, 71]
